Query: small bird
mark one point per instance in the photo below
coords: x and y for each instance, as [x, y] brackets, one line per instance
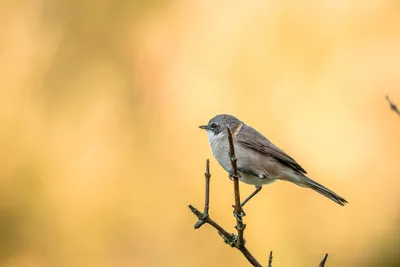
[259, 161]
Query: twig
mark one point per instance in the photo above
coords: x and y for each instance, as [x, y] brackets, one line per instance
[240, 226]
[207, 175]
[229, 238]
[235, 177]
[270, 260]
[393, 105]
[204, 216]
[322, 264]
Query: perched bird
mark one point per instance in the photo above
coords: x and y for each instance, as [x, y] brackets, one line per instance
[259, 161]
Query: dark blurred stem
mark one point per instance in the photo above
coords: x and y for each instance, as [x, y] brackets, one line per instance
[270, 260]
[322, 264]
[393, 105]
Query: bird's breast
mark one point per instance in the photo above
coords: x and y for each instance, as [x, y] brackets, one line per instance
[220, 149]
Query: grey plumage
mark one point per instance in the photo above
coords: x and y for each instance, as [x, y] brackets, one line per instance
[259, 162]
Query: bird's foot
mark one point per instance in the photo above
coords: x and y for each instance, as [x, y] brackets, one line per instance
[232, 175]
[240, 214]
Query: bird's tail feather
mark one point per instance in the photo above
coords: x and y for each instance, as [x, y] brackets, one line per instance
[323, 190]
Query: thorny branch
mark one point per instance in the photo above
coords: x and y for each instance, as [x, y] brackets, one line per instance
[393, 105]
[236, 241]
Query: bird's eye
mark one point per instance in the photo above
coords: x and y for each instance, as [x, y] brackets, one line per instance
[213, 126]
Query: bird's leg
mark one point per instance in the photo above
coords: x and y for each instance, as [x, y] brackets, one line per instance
[258, 189]
[242, 214]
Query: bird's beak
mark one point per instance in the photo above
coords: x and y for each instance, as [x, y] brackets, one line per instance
[204, 127]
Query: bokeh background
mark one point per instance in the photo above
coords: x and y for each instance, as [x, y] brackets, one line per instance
[100, 150]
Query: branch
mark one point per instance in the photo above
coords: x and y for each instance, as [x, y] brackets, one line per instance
[270, 260]
[235, 177]
[235, 241]
[228, 237]
[393, 105]
[204, 217]
[240, 226]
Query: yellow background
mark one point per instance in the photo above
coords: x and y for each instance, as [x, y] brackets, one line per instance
[100, 150]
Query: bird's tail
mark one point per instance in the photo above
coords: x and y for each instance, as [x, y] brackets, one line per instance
[308, 182]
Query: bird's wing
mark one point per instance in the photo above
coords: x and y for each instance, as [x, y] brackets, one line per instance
[249, 137]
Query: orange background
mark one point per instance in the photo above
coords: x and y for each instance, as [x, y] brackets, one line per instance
[99, 108]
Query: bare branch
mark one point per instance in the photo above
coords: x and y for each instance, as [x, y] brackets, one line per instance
[393, 105]
[229, 238]
[236, 241]
[204, 216]
[322, 264]
[207, 176]
[240, 226]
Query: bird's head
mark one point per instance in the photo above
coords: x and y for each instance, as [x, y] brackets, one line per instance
[217, 125]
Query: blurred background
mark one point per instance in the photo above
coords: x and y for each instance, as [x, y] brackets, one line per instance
[101, 154]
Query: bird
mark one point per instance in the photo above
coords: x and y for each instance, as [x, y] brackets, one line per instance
[259, 161]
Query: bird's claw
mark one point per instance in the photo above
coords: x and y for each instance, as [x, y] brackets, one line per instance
[232, 175]
[238, 215]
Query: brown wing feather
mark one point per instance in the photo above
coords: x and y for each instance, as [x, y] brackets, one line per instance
[249, 137]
